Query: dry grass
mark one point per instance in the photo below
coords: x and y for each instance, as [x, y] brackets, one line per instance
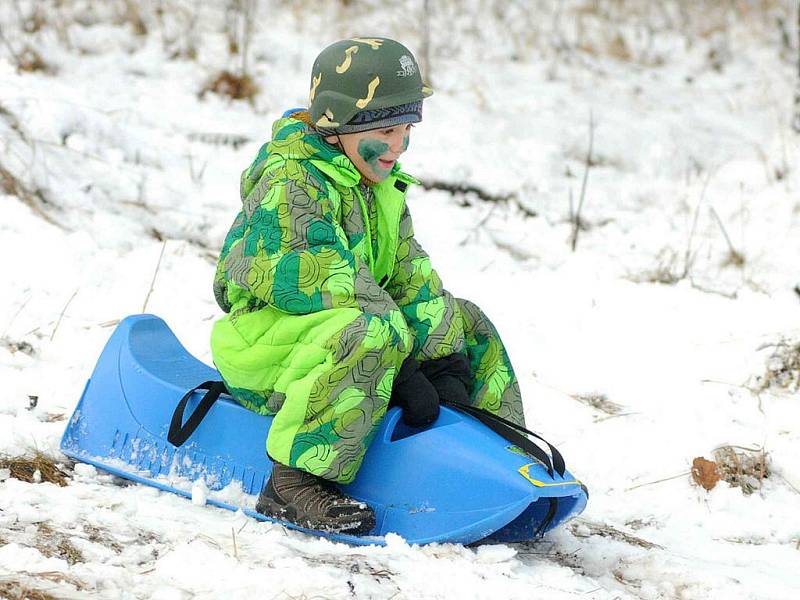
[599, 402]
[28, 586]
[668, 269]
[581, 528]
[19, 591]
[35, 469]
[103, 537]
[238, 87]
[33, 198]
[745, 468]
[133, 16]
[17, 346]
[629, 31]
[53, 543]
[30, 61]
[234, 140]
[544, 550]
[783, 368]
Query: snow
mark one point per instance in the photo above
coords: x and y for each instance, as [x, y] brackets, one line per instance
[132, 188]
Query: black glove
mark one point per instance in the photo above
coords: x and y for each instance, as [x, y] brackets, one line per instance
[415, 395]
[450, 376]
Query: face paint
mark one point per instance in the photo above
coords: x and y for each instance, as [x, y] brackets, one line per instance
[405, 142]
[370, 150]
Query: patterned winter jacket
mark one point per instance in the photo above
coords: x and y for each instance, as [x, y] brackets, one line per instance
[313, 239]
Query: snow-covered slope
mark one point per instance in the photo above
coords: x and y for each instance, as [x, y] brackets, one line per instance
[637, 352]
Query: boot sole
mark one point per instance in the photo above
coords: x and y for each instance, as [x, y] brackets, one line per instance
[354, 524]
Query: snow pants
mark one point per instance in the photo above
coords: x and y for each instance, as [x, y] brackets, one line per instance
[349, 393]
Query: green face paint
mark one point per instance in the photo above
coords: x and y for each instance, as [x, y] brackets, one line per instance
[405, 142]
[370, 150]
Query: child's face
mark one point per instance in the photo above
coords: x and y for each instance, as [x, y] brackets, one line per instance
[374, 152]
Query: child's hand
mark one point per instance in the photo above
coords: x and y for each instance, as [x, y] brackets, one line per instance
[450, 377]
[415, 395]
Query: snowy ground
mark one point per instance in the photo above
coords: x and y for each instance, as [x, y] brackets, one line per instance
[119, 161]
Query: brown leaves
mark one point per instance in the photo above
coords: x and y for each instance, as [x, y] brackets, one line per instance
[704, 473]
[238, 87]
[744, 468]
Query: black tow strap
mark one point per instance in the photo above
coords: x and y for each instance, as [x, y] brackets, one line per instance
[517, 435]
[179, 431]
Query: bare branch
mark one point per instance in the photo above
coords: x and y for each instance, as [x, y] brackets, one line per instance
[61, 316]
[796, 119]
[658, 481]
[426, 41]
[576, 223]
[462, 188]
[735, 257]
[687, 258]
[155, 274]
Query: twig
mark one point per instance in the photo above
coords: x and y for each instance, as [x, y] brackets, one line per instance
[478, 225]
[235, 552]
[512, 250]
[739, 385]
[659, 481]
[462, 188]
[605, 530]
[16, 314]
[735, 256]
[601, 419]
[196, 176]
[10, 48]
[155, 274]
[426, 40]
[746, 449]
[247, 14]
[687, 259]
[571, 207]
[787, 482]
[796, 119]
[63, 310]
[729, 295]
[576, 224]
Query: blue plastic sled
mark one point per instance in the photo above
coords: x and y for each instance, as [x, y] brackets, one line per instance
[456, 481]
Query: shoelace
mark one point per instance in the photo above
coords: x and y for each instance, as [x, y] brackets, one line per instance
[317, 494]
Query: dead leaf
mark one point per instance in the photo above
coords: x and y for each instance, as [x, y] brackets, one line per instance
[704, 472]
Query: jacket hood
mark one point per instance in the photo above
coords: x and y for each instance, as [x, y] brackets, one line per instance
[294, 139]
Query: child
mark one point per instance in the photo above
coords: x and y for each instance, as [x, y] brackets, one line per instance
[333, 307]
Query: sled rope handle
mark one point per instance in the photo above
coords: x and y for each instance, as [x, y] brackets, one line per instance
[179, 431]
[516, 434]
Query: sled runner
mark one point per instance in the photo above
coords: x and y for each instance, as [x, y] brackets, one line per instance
[455, 481]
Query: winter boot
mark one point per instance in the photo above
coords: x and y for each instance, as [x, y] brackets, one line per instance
[312, 502]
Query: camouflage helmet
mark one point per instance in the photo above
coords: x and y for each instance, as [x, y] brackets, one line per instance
[365, 83]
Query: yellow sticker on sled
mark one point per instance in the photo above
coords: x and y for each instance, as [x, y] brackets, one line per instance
[523, 470]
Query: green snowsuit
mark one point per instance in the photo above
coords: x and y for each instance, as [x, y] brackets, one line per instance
[327, 292]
